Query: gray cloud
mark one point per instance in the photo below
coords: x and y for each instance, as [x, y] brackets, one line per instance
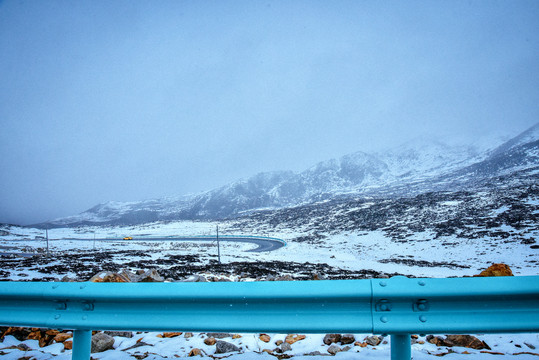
[124, 101]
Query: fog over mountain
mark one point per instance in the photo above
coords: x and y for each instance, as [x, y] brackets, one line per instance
[413, 168]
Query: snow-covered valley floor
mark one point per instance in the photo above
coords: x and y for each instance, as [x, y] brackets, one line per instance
[421, 254]
[332, 256]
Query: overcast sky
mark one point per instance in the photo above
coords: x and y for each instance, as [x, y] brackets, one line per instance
[131, 100]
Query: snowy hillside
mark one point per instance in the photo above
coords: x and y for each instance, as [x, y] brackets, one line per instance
[412, 168]
[435, 233]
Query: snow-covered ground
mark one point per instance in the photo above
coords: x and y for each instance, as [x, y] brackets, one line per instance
[156, 347]
[421, 254]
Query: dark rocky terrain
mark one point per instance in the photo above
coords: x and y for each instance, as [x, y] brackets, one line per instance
[505, 208]
[84, 265]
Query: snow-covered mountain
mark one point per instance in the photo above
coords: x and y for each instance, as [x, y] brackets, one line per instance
[415, 167]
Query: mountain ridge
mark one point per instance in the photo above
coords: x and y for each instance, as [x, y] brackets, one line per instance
[410, 168]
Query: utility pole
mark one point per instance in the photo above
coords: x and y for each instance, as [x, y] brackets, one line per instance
[218, 247]
[47, 237]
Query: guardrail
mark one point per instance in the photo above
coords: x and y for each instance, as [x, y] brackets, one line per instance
[398, 306]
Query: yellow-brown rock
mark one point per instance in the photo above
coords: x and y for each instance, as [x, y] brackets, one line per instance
[61, 337]
[468, 341]
[210, 341]
[195, 352]
[34, 335]
[171, 334]
[264, 337]
[496, 270]
[292, 339]
[68, 345]
[110, 277]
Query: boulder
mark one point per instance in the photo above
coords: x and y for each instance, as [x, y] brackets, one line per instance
[222, 347]
[116, 278]
[373, 340]
[171, 334]
[125, 334]
[132, 277]
[436, 340]
[109, 277]
[284, 278]
[23, 347]
[333, 349]
[285, 347]
[46, 339]
[34, 335]
[61, 337]
[150, 276]
[468, 341]
[219, 335]
[210, 341]
[332, 338]
[264, 337]
[496, 270]
[347, 339]
[194, 278]
[20, 333]
[290, 338]
[101, 342]
[315, 353]
[195, 352]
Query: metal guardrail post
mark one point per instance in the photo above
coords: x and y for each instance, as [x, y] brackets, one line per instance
[401, 347]
[82, 344]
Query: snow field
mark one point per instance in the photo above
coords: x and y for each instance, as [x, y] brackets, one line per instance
[420, 254]
[252, 347]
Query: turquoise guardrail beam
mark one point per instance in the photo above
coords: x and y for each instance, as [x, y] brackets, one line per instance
[398, 306]
[456, 305]
[316, 307]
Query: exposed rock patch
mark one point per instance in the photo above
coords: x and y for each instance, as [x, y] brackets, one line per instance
[496, 270]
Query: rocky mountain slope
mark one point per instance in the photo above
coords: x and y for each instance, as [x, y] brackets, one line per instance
[413, 168]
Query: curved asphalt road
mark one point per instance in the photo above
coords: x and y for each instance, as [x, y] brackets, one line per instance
[264, 243]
